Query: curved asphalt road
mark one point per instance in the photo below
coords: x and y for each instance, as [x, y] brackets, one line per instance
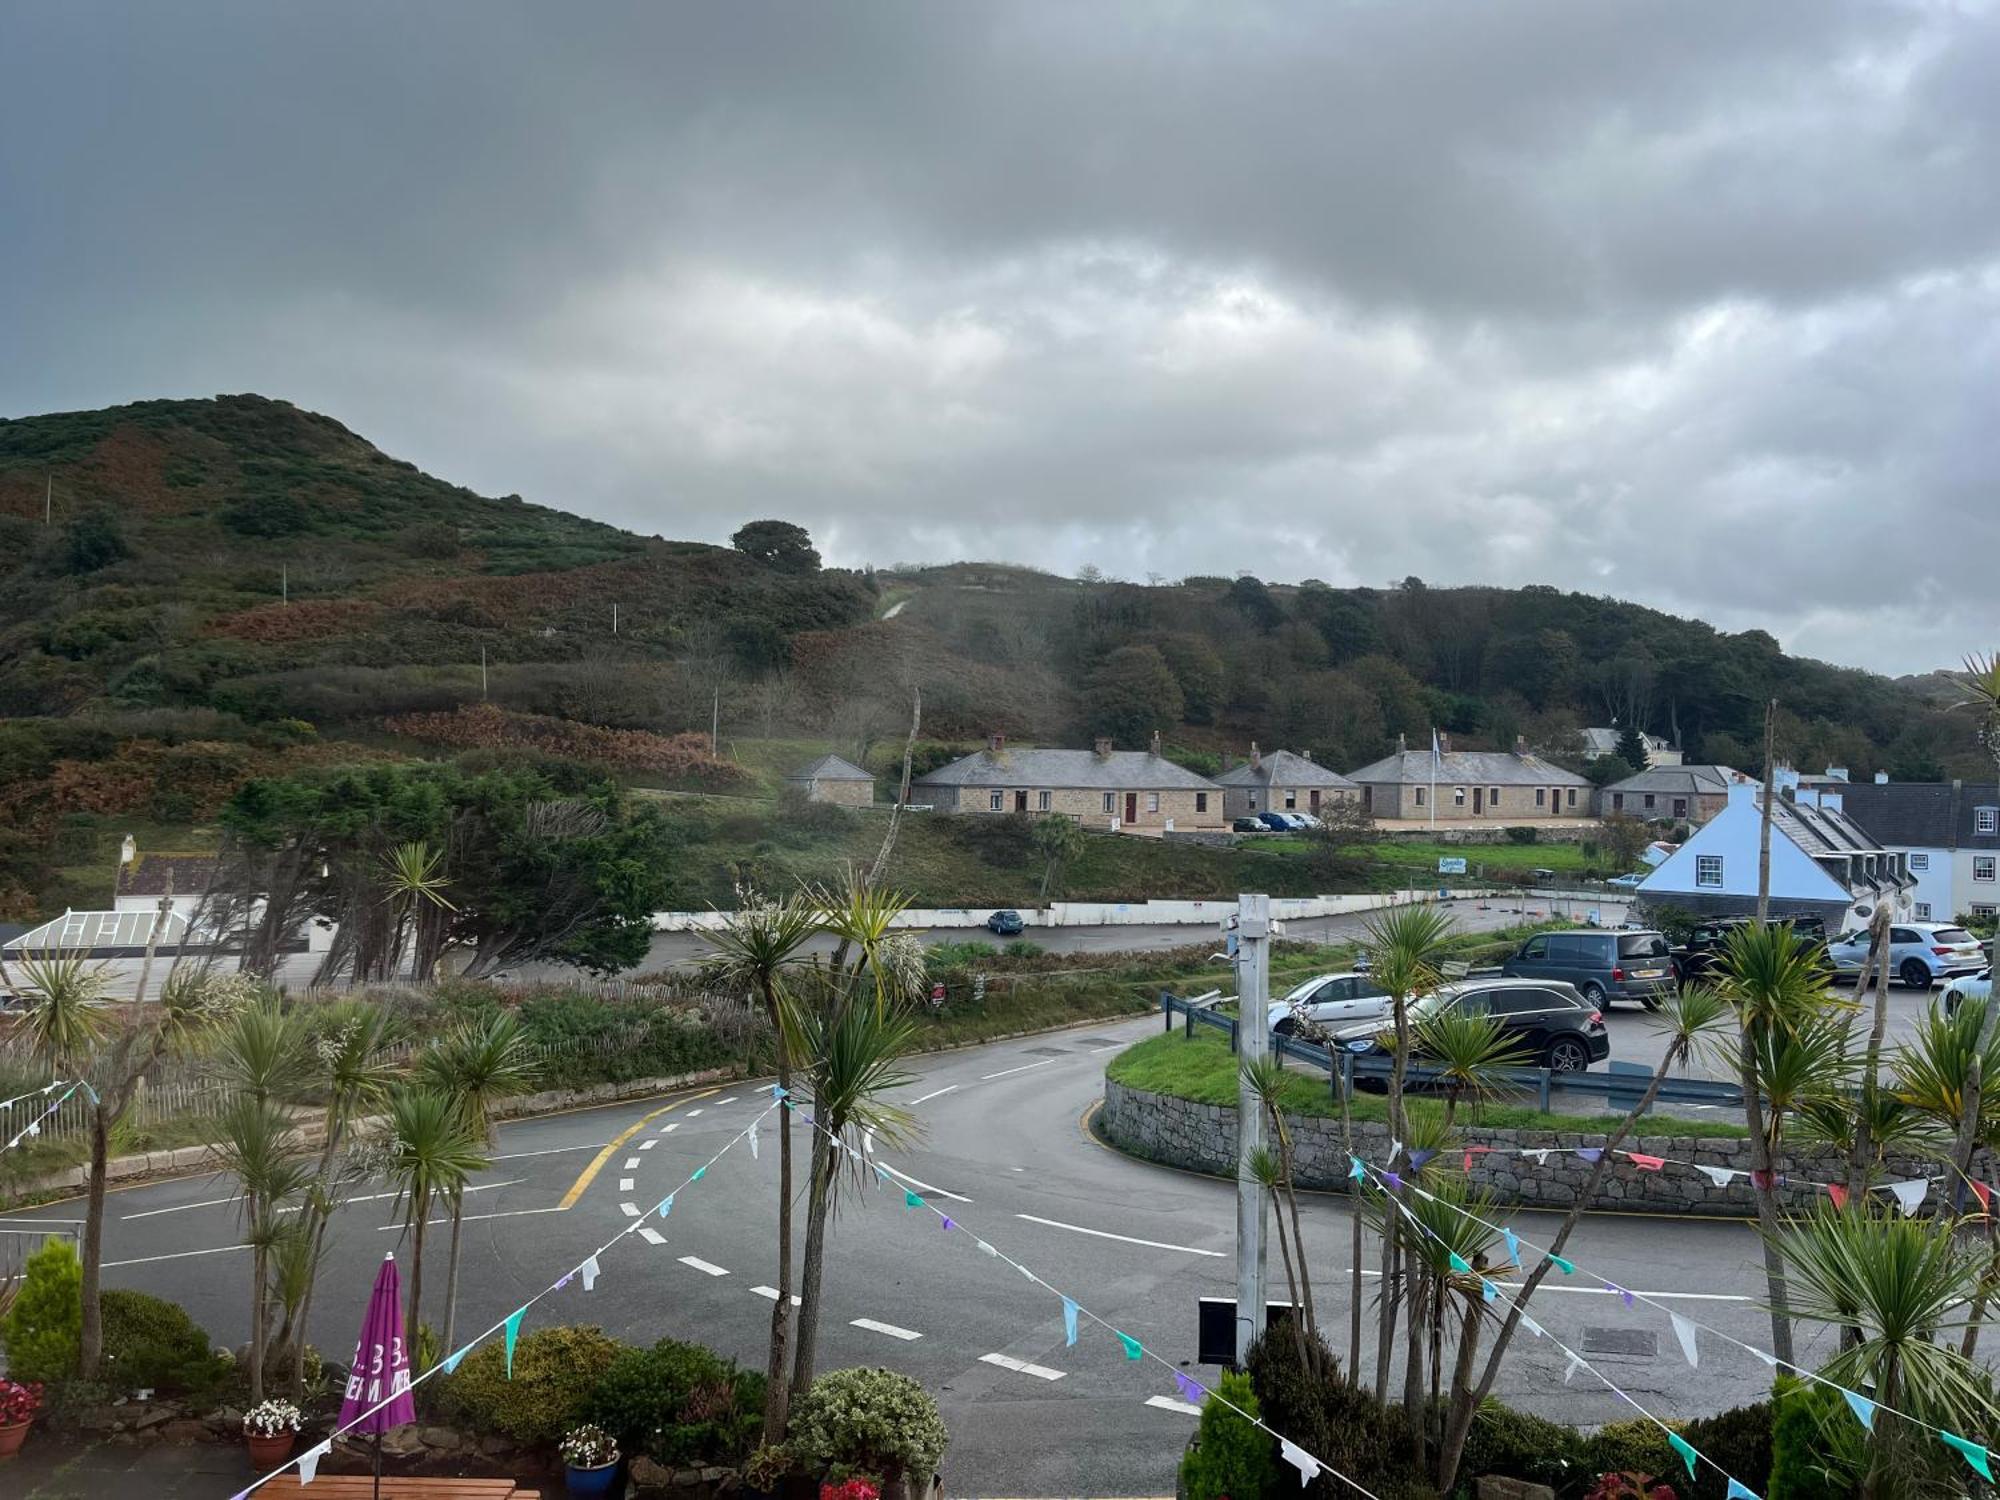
[1003, 1149]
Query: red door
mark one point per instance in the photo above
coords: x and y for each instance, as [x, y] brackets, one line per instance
[1478, 800]
[1315, 801]
[1131, 807]
[1020, 802]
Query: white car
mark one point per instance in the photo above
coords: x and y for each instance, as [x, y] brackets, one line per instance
[1969, 987]
[1329, 1001]
[1920, 953]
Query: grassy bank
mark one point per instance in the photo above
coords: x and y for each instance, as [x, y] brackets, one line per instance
[1204, 1070]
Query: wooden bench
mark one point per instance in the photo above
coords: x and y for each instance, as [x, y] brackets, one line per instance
[397, 1487]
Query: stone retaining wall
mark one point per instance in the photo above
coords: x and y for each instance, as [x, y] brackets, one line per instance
[1202, 1137]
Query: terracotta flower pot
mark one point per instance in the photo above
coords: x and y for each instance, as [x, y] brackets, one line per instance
[12, 1437]
[267, 1453]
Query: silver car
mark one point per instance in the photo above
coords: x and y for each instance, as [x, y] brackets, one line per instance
[1328, 1001]
[1920, 953]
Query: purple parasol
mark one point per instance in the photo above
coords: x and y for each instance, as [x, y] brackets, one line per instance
[381, 1370]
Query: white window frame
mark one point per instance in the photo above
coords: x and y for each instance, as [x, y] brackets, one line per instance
[1986, 820]
[1923, 911]
[1111, 802]
[1041, 802]
[996, 801]
[1541, 796]
[1201, 802]
[1458, 796]
[1420, 797]
[1152, 802]
[1291, 799]
[1983, 908]
[1983, 867]
[1492, 798]
[1708, 874]
[1919, 860]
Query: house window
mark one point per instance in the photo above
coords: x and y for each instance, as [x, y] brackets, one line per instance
[1923, 911]
[1649, 802]
[1572, 796]
[1982, 909]
[1041, 802]
[1986, 820]
[1920, 861]
[1458, 796]
[1291, 799]
[1541, 796]
[1493, 796]
[1253, 801]
[1618, 802]
[1201, 801]
[1111, 802]
[995, 801]
[1982, 866]
[1152, 802]
[1680, 807]
[1708, 870]
[1419, 792]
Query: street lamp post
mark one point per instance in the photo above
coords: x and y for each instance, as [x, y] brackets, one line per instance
[1253, 1043]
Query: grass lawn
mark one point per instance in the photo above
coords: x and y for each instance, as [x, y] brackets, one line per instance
[1204, 1070]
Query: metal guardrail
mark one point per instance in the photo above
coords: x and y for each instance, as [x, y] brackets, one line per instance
[1620, 1089]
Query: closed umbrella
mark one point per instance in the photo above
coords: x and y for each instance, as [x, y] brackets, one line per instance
[378, 1382]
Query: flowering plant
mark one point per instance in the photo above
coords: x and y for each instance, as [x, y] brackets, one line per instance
[589, 1447]
[1629, 1486]
[853, 1489]
[271, 1419]
[19, 1401]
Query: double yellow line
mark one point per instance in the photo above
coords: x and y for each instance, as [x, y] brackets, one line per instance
[589, 1173]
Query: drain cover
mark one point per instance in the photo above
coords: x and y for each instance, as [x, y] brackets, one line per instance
[1635, 1342]
[1048, 1052]
[1103, 1041]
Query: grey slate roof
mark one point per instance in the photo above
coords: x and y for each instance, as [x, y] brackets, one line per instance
[1467, 767]
[192, 874]
[1121, 770]
[830, 768]
[1680, 781]
[1282, 768]
[1605, 741]
[1922, 814]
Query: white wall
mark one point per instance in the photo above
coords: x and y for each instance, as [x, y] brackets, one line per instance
[1735, 833]
[1934, 882]
[1967, 891]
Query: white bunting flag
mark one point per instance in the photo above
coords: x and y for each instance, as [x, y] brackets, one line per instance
[1720, 1176]
[309, 1462]
[986, 1249]
[1541, 1157]
[1684, 1331]
[1910, 1195]
[753, 1140]
[36, 1129]
[1298, 1458]
[1769, 1359]
[1395, 1150]
[1575, 1364]
[590, 1274]
[1531, 1325]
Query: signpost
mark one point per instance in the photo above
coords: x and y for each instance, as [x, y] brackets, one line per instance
[1449, 864]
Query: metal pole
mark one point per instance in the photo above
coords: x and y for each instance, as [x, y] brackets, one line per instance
[1253, 984]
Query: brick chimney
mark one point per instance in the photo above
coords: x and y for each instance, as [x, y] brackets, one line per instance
[1103, 747]
[1520, 744]
[1444, 743]
[1256, 756]
[995, 743]
[1402, 743]
[1156, 744]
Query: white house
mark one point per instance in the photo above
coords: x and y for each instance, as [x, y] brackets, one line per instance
[1603, 740]
[1948, 834]
[1822, 863]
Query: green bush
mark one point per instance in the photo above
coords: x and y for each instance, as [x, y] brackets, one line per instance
[1337, 1424]
[151, 1342]
[873, 1420]
[1521, 834]
[1818, 1452]
[1232, 1456]
[45, 1325]
[1518, 1445]
[1636, 1447]
[1740, 1441]
[679, 1404]
[555, 1372]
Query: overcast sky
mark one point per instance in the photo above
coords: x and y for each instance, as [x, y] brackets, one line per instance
[1689, 303]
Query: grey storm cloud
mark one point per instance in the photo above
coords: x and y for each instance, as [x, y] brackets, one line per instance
[1696, 304]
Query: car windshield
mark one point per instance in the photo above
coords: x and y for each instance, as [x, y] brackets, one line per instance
[1642, 945]
[1952, 935]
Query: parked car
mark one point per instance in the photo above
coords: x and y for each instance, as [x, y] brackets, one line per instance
[1920, 953]
[1006, 923]
[1328, 1001]
[1701, 954]
[1604, 966]
[1550, 1022]
[1968, 987]
[1274, 821]
[1248, 825]
[1305, 820]
[1630, 882]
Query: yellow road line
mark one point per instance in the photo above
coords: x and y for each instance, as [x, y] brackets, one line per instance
[589, 1173]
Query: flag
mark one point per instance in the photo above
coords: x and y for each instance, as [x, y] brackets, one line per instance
[1973, 1453]
[1488, 1290]
[753, 1140]
[1356, 1170]
[513, 1337]
[1684, 1448]
[1298, 1458]
[911, 1200]
[1513, 1246]
[1837, 1193]
[1567, 1267]
[1624, 1295]
[1645, 1163]
[944, 1222]
[1738, 1490]
[1192, 1391]
[1531, 1325]
[1762, 1179]
[1590, 1153]
[698, 1174]
[1720, 1176]
[1395, 1183]
[666, 1205]
[309, 1461]
[1983, 1193]
[777, 1091]
[455, 1358]
[1418, 1156]
[1684, 1331]
[1910, 1195]
[1862, 1407]
[590, 1273]
[378, 1382]
[1069, 1321]
[1459, 1263]
[1133, 1350]
[1575, 1364]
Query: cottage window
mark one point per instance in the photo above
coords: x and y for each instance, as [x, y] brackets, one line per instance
[1982, 908]
[1201, 801]
[1982, 866]
[1291, 799]
[1493, 796]
[1708, 870]
[1919, 861]
[1649, 801]
[1680, 807]
[1618, 802]
[1253, 802]
[1041, 802]
[1458, 796]
[1572, 796]
[1541, 796]
[1111, 802]
[1419, 791]
[1152, 802]
[995, 801]
[1923, 911]
[1986, 820]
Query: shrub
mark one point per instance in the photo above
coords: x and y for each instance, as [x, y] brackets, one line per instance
[1316, 1409]
[555, 1372]
[875, 1420]
[1518, 1445]
[1817, 1451]
[1232, 1456]
[45, 1324]
[1521, 834]
[151, 1342]
[1740, 1441]
[679, 1404]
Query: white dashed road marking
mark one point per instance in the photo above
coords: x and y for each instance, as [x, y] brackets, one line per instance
[631, 1163]
[1168, 1403]
[652, 1236]
[671, 1126]
[624, 1184]
[691, 1114]
[889, 1328]
[934, 1094]
[1008, 1362]
[1105, 1234]
[648, 1145]
[770, 1294]
[703, 1266]
[1009, 1072]
[922, 1186]
[631, 1210]
[730, 1100]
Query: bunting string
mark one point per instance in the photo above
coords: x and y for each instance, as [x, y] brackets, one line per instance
[34, 1127]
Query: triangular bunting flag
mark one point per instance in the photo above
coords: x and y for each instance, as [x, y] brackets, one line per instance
[881, 1173]
[777, 1091]
[1684, 1331]
[1684, 1448]
[1531, 1325]
[1763, 1180]
[1862, 1407]
[455, 1359]
[1720, 1176]
[309, 1461]
[911, 1200]
[666, 1205]
[984, 1248]
[1568, 1268]
[1025, 1271]
[1645, 1163]
[944, 1222]
[1973, 1453]
[1069, 1321]
[698, 1174]
[565, 1280]
[1837, 1193]
[1395, 1182]
[1395, 1150]
[1513, 1245]
[1983, 1193]
[1541, 1156]
[1738, 1490]
[513, 1337]
[1356, 1171]
[1769, 1359]
[590, 1274]
[1132, 1346]
[1418, 1156]
[1488, 1290]
[1910, 1195]
[1590, 1153]
[1459, 1263]
[1623, 1295]
[1298, 1458]
[1575, 1364]
[1192, 1391]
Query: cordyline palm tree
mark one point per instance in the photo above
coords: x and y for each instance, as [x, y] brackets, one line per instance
[1903, 1280]
[256, 1145]
[1265, 1077]
[1470, 1056]
[432, 1156]
[755, 949]
[1448, 1242]
[848, 1023]
[476, 1065]
[414, 885]
[1405, 945]
[1686, 1021]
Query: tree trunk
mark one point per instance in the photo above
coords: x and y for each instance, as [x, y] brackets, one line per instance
[1764, 1184]
[91, 1350]
[1385, 1321]
[1418, 1290]
[818, 1205]
[257, 1279]
[451, 1276]
[413, 1319]
[777, 1392]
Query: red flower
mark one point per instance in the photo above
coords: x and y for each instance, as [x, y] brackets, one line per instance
[18, 1401]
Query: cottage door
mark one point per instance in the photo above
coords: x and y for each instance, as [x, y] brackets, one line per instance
[1315, 801]
[1478, 800]
[1131, 807]
[1020, 802]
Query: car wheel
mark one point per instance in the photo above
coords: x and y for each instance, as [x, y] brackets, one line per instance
[1915, 975]
[1568, 1055]
[1286, 1027]
[1594, 993]
[1651, 1002]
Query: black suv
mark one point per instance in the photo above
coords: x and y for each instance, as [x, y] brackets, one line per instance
[1551, 1024]
[1702, 953]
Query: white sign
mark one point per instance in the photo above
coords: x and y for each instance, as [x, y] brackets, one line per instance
[1449, 865]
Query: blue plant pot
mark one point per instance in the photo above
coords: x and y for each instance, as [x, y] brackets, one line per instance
[591, 1481]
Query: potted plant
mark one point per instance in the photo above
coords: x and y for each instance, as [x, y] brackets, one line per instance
[765, 1471]
[590, 1460]
[270, 1428]
[19, 1401]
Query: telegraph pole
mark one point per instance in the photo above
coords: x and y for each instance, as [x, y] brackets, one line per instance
[1253, 1043]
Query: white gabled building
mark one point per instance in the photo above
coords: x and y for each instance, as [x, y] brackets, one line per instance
[1822, 862]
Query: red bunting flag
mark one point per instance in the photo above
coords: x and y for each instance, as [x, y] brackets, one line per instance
[1764, 1180]
[1984, 1194]
[1837, 1193]
[1645, 1163]
[1470, 1152]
